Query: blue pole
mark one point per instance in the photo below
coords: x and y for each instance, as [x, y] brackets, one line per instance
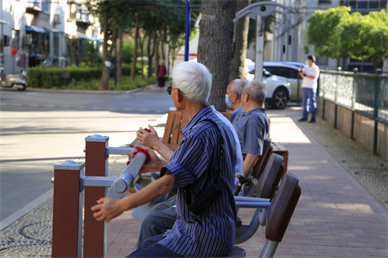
[187, 37]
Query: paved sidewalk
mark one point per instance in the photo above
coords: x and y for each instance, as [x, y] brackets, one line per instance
[335, 216]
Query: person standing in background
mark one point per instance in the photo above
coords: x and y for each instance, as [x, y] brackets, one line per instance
[162, 72]
[309, 74]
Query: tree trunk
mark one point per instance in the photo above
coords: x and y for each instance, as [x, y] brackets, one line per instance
[157, 55]
[120, 59]
[151, 53]
[215, 45]
[149, 74]
[142, 54]
[105, 69]
[133, 69]
[237, 67]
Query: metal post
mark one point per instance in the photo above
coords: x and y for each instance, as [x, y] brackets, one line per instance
[96, 165]
[260, 23]
[376, 112]
[67, 219]
[188, 24]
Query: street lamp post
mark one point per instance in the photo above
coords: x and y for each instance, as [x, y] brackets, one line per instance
[258, 12]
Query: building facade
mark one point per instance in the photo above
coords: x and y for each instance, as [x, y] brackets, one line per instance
[45, 32]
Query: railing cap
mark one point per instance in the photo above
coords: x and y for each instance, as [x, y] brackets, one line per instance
[96, 138]
[69, 165]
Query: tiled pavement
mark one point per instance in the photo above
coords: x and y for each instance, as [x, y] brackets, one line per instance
[335, 216]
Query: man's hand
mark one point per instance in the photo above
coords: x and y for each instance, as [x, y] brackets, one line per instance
[154, 164]
[150, 139]
[106, 209]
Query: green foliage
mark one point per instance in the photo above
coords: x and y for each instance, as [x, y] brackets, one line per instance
[320, 28]
[127, 52]
[70, 76]
[93, 56]
[337, 34]
[49, 77]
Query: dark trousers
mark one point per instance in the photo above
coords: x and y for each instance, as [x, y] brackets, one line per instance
[161, 81]
[151, 248]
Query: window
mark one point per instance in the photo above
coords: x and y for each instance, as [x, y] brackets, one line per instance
[283, 71]
[43, 4]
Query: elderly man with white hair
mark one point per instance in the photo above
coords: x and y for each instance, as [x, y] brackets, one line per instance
[252, 126]
[203, 163]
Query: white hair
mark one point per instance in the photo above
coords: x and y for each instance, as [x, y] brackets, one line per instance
[237, 86]
[193, 80]
[256, 91]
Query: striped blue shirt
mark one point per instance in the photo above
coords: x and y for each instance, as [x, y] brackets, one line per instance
[194, 163]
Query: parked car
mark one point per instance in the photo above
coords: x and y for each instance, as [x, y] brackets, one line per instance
[278, 88]
[289, 70]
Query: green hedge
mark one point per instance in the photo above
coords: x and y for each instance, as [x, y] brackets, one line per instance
[48, 77]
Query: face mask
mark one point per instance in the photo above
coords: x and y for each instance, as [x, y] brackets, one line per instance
[306, 62]
[227, 102]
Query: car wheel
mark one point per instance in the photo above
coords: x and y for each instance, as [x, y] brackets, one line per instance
[279, 99]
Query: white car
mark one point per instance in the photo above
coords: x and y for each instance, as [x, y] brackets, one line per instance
[278, 88]
[289, 70]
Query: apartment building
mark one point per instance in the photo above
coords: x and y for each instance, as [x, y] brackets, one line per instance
[45, 32]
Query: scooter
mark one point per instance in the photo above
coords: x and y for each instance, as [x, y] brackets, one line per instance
[14, 80]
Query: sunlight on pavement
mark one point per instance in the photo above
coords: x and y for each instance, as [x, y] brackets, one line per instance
[284, 130]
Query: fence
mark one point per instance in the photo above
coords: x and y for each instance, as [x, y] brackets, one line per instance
[363, 95]
[366, 93]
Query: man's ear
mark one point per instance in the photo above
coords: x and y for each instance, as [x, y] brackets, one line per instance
[245, 97]
[234, 97]
[180, 96]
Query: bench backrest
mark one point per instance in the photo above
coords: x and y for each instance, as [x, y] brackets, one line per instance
[261, 163]
[271, 176]
[176, 120]
[282, 208]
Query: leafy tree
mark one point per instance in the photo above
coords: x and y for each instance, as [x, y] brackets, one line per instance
[320, 28]
[337, 34]
[368, 34]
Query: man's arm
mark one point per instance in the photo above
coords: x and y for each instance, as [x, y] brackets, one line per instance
[249, 161]
[109, 208]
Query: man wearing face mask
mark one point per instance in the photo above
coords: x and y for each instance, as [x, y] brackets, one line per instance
[310, 74]
[233, 98]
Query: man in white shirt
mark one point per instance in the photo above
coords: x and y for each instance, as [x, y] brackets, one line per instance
[309, 74]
